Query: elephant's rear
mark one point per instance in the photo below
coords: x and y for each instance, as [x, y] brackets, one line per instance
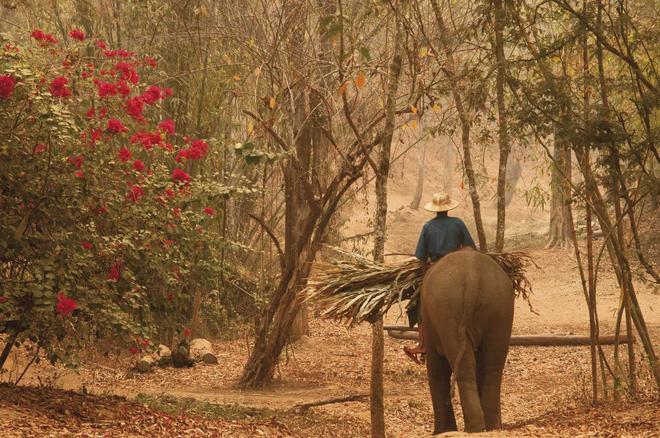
[470, 286]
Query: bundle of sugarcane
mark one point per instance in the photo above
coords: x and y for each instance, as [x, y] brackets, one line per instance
[355, 289]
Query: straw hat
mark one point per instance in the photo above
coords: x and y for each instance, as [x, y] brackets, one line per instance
[441, 202]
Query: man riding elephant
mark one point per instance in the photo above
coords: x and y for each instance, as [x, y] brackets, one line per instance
[440, 236]
[466, 302]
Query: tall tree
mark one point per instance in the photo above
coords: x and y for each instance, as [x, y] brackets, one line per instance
[503, 127]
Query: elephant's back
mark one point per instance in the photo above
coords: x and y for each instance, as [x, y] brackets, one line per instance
[470, 272]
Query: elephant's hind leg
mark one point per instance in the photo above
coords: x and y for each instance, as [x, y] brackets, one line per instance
[466, 378]
[490, 381]
[439, 374]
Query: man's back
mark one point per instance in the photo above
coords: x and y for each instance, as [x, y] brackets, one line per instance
[442, 235]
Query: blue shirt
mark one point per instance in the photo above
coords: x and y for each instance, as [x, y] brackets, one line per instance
[440, 236]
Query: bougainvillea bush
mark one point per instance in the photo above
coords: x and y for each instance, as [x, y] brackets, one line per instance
[106, 228]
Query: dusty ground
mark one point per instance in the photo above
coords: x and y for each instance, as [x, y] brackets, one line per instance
[545, 390]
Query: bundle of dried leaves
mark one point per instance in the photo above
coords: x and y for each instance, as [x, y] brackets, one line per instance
[356, 289]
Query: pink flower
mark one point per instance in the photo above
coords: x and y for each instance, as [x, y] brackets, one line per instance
[77, 34]
[115, 271]
[115, 126]
[58, 87]
[167, 126]
[3, 299]
[86, 245]
[180, 175]
[210, 211]
[138, 165]
[39, 148]
[135, 193]
[7, 84]
[65, 305]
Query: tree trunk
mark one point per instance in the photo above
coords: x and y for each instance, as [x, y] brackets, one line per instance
[559, 232]
[450, 71]
[503, 129]
[419, 187]
[377, 407]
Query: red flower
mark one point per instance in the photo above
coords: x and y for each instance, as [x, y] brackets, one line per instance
[86, 245]
[58, 87]
[76, 161]
[170, 296]
[7, 84]
[187, 332]
[128, 72]
[39, 148]
[167, 126]
[134, 350]
[180, 175]
[115, 126]
[176, 211]
[77, 34]
[42, 37]
[91, 113]
[145, 342]
[138, 165]
[135, 193]
[209, 211]
[106, 89]
[150, 61]
[135, 107]
[153, 94]
[80, 174]
[170, 193]
[101, 45]
[115, 271]
[125, 154]
[4, 299]
[146, 139]
[119, 53]
[95, 135]
[123, 88]
[65, 306]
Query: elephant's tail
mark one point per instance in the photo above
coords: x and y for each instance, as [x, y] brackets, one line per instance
[469, 304]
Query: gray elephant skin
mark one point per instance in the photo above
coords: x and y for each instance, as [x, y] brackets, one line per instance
[467, 313]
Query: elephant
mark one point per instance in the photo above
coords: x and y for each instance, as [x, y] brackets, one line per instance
[467, 304]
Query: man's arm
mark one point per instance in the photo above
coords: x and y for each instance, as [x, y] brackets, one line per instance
[467, 239]
[421, 252]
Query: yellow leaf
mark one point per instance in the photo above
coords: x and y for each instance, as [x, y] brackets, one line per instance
[413, 109]
[250, 128]
[360, 79]
[435, 108]
[237, 78]
[272, 103]
[423, 52]
[414, 124]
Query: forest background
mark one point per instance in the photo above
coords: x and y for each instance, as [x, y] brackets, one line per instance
[173, 168]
